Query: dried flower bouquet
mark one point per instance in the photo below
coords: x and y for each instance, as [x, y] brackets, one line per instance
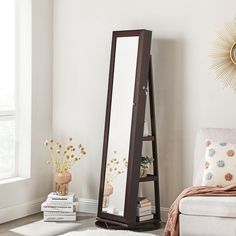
[63, 158]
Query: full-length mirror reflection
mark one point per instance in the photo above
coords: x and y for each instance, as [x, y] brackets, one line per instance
[120, 125]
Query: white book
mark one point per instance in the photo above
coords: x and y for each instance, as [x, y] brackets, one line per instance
[68, 196]
[58, 213]
[144, 204]
[60, 204]
[66, 208]
[144, 213]
[54, 197]
[145, 208]
[143, 218]
[59, 218]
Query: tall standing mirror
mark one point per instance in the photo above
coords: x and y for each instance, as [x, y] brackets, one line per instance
[120, 125]
[124, 126]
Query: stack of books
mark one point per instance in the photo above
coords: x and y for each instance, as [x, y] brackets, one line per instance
[144, 209]
[59, 208]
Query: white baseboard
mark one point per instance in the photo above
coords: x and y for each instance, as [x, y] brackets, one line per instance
[29, 208]
[20, 210]
[25, 209]
[88, 205]
[164, 214]
[91, 206]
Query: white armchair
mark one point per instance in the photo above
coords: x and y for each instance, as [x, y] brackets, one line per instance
[208, 216]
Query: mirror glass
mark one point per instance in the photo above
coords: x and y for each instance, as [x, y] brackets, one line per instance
[233, 53]
[120, 125]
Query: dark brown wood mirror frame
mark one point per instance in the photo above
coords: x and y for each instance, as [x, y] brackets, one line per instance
[136, 135]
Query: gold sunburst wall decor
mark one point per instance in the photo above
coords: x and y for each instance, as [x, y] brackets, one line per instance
[224, 55]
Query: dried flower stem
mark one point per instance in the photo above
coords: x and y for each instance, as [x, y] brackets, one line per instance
[63, 159]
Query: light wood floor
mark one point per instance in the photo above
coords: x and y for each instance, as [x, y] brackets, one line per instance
[86, 222]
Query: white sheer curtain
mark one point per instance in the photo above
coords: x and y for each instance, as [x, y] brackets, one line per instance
[7, 87]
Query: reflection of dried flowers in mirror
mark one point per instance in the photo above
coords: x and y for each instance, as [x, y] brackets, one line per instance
[63, 159]
[224, 56]
[115, 167]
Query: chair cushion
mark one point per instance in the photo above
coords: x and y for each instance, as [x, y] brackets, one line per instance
[208, 206]
[220, 164]
[190, 225]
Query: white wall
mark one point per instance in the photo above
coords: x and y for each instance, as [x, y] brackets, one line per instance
[21, 198]
[187, 96]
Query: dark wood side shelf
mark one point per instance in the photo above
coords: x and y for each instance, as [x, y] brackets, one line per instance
[152, 137]
[148, 178]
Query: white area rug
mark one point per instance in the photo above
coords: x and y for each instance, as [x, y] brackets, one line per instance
[41, 228]
[103, 232]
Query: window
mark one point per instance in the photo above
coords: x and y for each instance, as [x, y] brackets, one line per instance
[7, 88]
[15, 88]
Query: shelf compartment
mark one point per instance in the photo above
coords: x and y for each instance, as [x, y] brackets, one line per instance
[148, 178]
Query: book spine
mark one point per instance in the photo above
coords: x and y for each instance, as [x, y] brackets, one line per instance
[63, 200]
[142, 209]
[144, 204]
[59, 218]
[54, 194]
[143, 200]
[58, 213]
[144, 213]
[62, 209]
[147, 217]
[60, 204]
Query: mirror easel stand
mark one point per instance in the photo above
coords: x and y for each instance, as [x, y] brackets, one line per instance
[154, 223]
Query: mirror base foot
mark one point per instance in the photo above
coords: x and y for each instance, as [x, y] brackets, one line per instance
[140, 227]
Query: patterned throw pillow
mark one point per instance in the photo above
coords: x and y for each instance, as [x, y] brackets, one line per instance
[220, 164]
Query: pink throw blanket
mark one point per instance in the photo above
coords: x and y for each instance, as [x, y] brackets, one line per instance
[172, 225]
